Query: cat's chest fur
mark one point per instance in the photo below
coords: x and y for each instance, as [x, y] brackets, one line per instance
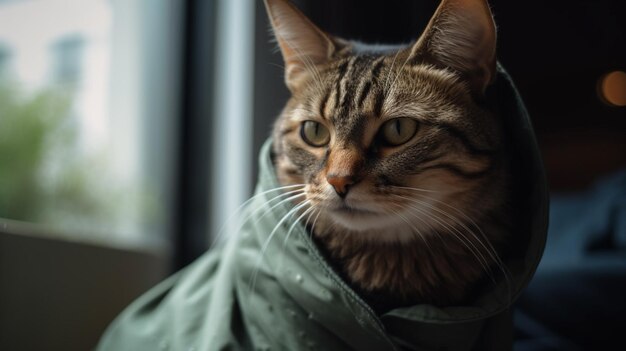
[429, 270]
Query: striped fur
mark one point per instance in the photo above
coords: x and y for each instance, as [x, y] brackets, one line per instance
[391, 243]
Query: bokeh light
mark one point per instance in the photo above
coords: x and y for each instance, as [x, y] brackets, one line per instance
[612, 88]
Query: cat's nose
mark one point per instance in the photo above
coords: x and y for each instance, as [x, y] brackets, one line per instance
[340, 183]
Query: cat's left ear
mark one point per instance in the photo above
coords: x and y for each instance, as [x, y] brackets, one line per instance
[462, 36]
[301, 42]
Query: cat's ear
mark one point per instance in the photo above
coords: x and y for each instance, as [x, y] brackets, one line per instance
[302, 44]
[461, 35]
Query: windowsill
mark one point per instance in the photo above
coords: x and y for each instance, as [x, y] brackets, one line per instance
[152, 246]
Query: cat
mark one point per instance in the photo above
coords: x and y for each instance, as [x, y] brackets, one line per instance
[418, 181]
[403, 166]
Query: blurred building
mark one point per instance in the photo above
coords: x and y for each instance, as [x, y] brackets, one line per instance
[38, 51]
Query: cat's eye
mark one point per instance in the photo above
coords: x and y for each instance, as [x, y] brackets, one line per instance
[398, 130]
[314, 133]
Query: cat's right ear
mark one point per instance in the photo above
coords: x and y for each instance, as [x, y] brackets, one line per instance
[461, 36]
[302, 44]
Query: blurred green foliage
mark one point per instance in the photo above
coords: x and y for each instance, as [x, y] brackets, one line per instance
[42, 178]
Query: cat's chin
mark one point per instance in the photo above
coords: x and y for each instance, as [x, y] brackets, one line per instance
[370, 224]
[355, 219]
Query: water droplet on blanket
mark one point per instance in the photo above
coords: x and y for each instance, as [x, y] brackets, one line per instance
[299, 278]
[361, 320]
[325, 294]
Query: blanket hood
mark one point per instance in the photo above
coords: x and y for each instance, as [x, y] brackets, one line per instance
[268, 286]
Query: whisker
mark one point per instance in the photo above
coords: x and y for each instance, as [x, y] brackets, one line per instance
[306, 224]
[255, 211]
[277, 65]
[309, 65]
[393, 62]
[319, 211]
[308, 210]
[416, 189]
[269, 210]
[252, 283]
[490, 249]
[486, 244]
[454, 219]
[419, 232]
[495, 258]
[392, 89]
[432, 228]
[222, 231]
[474, 250]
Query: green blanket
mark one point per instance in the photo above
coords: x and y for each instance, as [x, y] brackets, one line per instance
[253, 293]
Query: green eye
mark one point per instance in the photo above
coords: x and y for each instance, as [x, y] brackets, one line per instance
[399, 130]
[315, 134]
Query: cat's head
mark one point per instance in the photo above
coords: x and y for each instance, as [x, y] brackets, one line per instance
[388, 140]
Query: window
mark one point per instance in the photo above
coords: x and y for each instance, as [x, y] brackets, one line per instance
[88, 117]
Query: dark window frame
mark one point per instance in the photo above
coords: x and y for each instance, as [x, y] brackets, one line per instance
[190, 235]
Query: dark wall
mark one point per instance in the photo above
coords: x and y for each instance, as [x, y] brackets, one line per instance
[60, 295]
[556, 52]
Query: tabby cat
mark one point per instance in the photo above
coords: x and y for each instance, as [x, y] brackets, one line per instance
[402, 166]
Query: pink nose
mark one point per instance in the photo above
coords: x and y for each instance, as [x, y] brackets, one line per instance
[340, 183]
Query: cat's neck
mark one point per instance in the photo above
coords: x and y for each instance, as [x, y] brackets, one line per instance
[434, 268]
